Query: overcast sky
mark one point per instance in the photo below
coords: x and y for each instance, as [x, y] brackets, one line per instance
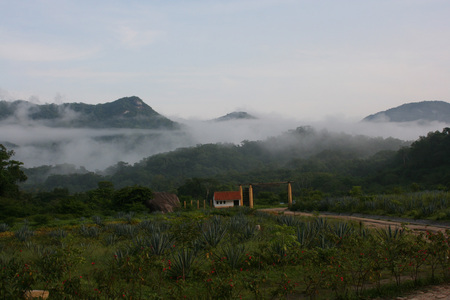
[304, 59]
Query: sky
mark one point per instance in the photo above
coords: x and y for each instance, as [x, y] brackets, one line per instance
[198, 59]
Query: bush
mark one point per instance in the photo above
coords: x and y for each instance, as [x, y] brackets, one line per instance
[41, 220]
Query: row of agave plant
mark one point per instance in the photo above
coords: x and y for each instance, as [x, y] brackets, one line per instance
[178, 256]
[419, 205]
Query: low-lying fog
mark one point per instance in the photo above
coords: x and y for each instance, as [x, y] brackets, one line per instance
[97, 149]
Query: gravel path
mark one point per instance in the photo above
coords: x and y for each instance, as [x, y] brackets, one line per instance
[429, 293]
[374, 221]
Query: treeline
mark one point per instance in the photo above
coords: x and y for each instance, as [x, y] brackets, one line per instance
[296, 155]
[195, 173]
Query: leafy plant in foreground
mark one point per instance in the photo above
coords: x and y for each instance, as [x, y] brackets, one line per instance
[182, 263]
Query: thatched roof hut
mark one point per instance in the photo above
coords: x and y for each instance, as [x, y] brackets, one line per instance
[162, 201]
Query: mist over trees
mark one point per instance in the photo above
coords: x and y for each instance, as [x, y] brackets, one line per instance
[303, 150]
[127, 145]
[346, 169]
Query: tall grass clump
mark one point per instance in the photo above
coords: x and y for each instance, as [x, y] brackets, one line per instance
[23, 233]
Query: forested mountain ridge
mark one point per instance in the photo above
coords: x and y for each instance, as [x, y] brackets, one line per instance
[127, 112]
[417, 111]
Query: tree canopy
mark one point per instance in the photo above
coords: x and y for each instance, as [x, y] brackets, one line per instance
[10, 173]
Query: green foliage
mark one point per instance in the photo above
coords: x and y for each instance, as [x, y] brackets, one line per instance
[126, 197]
[314, 257]
[10, 173]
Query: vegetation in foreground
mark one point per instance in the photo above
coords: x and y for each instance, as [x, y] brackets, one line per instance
[218, 254]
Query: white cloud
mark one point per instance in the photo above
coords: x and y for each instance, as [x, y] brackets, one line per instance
[18, 47]
[136, 38]
[42, 52]
[83, 73]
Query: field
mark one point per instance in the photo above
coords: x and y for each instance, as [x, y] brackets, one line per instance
[219, 254]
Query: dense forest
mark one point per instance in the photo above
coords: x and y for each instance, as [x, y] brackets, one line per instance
[344, 164]
[291, 156]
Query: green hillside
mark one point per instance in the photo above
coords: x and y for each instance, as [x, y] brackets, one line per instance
[128, 112]
[419, 111]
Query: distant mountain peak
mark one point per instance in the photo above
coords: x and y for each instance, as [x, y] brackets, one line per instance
[237, 115]
[127, 112]
[416, 111]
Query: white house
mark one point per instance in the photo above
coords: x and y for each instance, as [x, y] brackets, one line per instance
[226, 199]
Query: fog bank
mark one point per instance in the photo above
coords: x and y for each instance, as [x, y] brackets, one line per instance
[97, 149]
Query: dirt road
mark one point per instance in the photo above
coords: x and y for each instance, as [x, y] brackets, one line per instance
[373, 221]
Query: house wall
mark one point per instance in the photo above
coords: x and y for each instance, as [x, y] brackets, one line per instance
[223, 203]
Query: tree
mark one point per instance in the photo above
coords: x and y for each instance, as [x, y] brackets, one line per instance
[198, 188]
[10, 173]
[127, 197]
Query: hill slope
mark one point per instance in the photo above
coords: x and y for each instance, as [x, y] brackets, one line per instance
[128, 112]
[417, 111]
[237, 115]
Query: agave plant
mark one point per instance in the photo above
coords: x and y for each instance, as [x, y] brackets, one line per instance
[58, 233]
[159, 242]
[23, 233]
[97, 220]
[288, 220]
[233, 256]
[213, 233]
[249, 231]
[153, 227]
[121, 255]
[306, 234]
[238, 222]
[110, 239]
[4, 227]
[388, 234]
[342, 230]
[124, 230]
[90, 232]
[182, 263]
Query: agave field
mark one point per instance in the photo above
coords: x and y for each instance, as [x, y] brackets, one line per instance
[236, 253]
[434, 205]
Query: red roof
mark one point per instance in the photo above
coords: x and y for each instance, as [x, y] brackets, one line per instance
[227, 195]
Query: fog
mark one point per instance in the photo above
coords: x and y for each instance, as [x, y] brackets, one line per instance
[96, 149]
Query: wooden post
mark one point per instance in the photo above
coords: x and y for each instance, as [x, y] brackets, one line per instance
[198, 204]
[289, 194]
[191, 203]
[250, 196]
[242, 195]
[184, 204]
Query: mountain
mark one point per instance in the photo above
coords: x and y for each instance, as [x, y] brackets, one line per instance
[237, 115]
[417, 111]
[128, 112]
